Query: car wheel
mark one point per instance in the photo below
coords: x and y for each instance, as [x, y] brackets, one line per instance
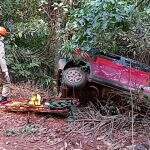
[74, 77]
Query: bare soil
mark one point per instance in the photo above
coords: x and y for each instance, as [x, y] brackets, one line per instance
[46, 132]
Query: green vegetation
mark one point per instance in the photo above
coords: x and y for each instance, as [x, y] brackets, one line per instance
[28, 45]
[41, 29]
[119, 26]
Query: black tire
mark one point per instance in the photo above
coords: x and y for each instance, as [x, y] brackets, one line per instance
[74, 77]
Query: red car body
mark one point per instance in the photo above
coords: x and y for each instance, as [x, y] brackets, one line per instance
[117, 75]
[109, 70]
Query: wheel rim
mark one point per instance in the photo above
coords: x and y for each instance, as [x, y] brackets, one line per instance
[74, 76]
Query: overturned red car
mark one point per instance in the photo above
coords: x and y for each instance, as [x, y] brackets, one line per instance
[109, 70]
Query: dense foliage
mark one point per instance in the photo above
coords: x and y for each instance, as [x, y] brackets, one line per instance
[41, 28]
[28, 45]
[119, 26]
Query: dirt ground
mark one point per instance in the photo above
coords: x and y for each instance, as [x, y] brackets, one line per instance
[45, 132]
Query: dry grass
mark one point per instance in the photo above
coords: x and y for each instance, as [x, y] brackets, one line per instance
[104, 125]
[93, 130]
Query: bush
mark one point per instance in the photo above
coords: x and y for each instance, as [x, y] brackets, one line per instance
[28, 45]
[111, 25]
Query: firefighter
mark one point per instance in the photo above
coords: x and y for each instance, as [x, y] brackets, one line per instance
[3, 67]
